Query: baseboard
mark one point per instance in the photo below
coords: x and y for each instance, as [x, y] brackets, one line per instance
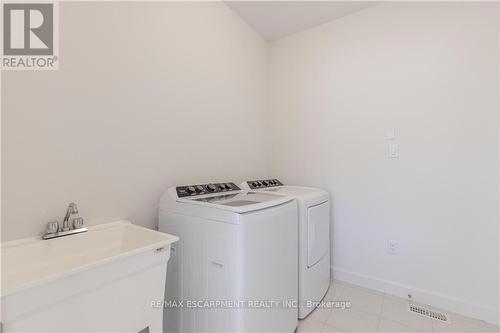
[444, 302]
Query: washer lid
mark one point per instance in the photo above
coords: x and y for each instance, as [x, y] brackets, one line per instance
[239, 202]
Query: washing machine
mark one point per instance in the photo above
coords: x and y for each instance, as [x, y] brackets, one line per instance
[234, 268]
[314, 239]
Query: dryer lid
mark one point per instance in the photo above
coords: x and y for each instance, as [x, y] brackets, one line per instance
[308, 195]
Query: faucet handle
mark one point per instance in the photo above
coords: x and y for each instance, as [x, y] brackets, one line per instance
[52, 227]
[72, 208]
[78, 222]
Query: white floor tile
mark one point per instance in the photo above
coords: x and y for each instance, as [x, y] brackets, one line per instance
[334, 292]
[320, 314]
[494, 328]
[309, 325]
[387, 325]
[371, 311]
[352, 320]
[331, 329]
[363, 299]
[347, 284]
[396, 309]
[460, 324]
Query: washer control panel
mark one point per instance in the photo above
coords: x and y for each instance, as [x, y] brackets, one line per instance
[192, 190]
[254, 184]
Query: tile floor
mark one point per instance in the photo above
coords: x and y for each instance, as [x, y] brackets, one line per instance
[372, 311]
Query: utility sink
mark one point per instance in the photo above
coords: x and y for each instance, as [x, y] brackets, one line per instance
[105, 279]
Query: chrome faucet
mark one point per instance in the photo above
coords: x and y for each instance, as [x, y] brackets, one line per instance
[53, 229]
[72, 209]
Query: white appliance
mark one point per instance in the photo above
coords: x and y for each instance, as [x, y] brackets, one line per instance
[314, 239]
[234, 268]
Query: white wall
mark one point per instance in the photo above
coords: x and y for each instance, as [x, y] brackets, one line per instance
[148, 95]
[431, 71]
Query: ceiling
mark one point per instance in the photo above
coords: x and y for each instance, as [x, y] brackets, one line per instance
[276, 19]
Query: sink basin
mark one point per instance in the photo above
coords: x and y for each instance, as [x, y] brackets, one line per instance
[68, 283]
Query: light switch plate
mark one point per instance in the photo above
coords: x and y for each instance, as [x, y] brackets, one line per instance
[393, 150]
[390, 134]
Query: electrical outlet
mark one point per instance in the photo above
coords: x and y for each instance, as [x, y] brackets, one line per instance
[393, 247]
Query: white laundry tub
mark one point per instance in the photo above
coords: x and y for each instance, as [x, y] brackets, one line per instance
[103, 280]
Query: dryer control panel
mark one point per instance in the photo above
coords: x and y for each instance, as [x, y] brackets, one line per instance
[200, 189]
[254, 184]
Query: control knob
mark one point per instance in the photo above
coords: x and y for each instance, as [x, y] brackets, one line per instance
[211, 187]
[265, 182]
[191, 189]
[228, 186]
[199, 188]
